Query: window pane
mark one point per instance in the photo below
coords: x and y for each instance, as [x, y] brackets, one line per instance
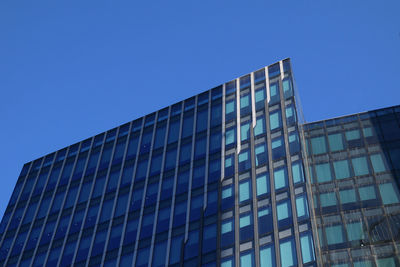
[261, 154]
[367, 193]
[280, 178]
[334, 234]
[230, 136]
[267, 257]
[307, 248]
[335, 142]
[262, 184]
[360, 166]
[288, 253]
[341, 169]
[260, 126]
[297, 171]
[323, 172]
[347, 196]
[318, 145]
[244, 221]
[245, 131]
[275, 120]
[388, 194]
[244, 191]
[355, 231]
[328, 199]
[301, 206]
[352, 135]
[247, 260]
[377, 163]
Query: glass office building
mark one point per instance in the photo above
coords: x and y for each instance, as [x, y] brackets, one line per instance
[230, 177]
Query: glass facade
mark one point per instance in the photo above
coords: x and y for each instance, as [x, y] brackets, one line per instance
[219, 179]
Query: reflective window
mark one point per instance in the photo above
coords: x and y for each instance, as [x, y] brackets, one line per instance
[261, 154]
[262, 184]
[244, 161]
[230, 110]
[173, 131]
[377, 163]
[247, 259]
[287, 88]
[284, 213]
[274, 93]
[341, 168]
[260, 98]
[275, 120]
[302, 206]
[388, 194]
[335, 142]
[347, 196]
[328, 199]
[318, 145]
[294, 143]
[229, 165]
[355, 231]
[160, 137]
[278, 148]
[297, 172]
[267, 256]
[323, 172]
[227, 233]
[160, 250]
[245, 131]
[307, 247]
[367, 193]
[245, 106]
[265, 224]
[244, 191]
[360, 166]
[260, 126]
[290, 115]
[288, 253]
[280, 178]
[230, 136]
[187, 129]
[202, 120]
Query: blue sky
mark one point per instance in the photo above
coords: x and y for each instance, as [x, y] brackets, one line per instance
[72, 69]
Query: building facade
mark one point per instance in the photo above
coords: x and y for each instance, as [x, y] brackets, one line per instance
[230, 177]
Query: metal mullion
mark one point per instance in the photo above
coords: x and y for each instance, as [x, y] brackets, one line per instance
[50, 204]
[189, 200]
[63, 202]
[289, 169]
[24, 213]
[218, 260]
[79, 191]
[253, 177]
[104, 192]
[271, 172]
[207, 152]
[236, 176]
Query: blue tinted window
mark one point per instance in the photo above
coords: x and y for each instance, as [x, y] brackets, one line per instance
[360, 166]
[341, 168]
[260, 98]
[185, 153]
[297, 172]
[244, 191]
[170, 159]
[302, 206]
[260, 126]
[323, 172]
[287, 88]
[288, 253]
[156, 164]
[173, 132]
[278, 148]
[262, 184]
[284, 213]
[202, 120]
[274, 93]
[280, 178]
[141, 170]
[200, 147]
[187, 126]
[318, 145]
[307, 247]
[261, 155]
[247, 259]
[216, 115]
[230, 136]
[267, 256]
[244, 161]
[245, 131]
[215, 142]
[98, 187]
[175, 252]
[275, 120]
[160, 250]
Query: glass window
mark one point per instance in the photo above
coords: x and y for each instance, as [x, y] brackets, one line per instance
[262, 184]
[352, 135]
[360, 166]
[245, 104]
[226, 227]
[377, 163]
[355, 231]
[265, 224]
[229, 165]
[227, 263]
[323, 172]
[175, 252]
[335, 142]
[364, 263]
[160, 250]
[230, 136]
[388, 194]
[294, 143]
[274, 93]
[307, 248]
[367, 132]
[290, 115]
[328, 199]
[260, 97]
[244, 161]
[143, 257]
[216, 115]
[288, 253]
[247, 260]
[386, 262]
[227, 192]
[280, 178]
[230, 106]
[245, 131]
[284, 213]
[341, 169]
[367, 192]
[260, 126]
[347, 196]
[215, 142]
[173, 132]
[267, 256]
[200, 147]
[244, 191]
[159, 138]
[318, 145]
[287, 88]
[202, 120]
[334, 234]
[245, 220]
[227, 233]
[170, 159]
[297, 172]
[275, 120]
[278, 148]
[302, 206]
[185, 153]
[260, 154]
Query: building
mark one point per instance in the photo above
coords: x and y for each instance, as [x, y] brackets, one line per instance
[230, 177]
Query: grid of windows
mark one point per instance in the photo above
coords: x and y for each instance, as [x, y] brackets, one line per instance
[217, 179]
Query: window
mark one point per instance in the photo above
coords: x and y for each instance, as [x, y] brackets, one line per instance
[227, 233]
[261, 154]
[328, 199]
[352, 135]
[284, 213]
[288, 253]
[287, 88]
[355, 231]
[244, 191]
[334, 234]
[265, 224]
[280, 178]
[297, 172]
[227, 263]
[335, 142]
[377, 163]
[170, 159]
[230, 136]
[267, 256]
[388, 194]
[245, 131]
[246, 227]
[244, 161]
[200, 147]
[159, 138]
[290, 115]
[260, 126]
[247, 259]
[216, 115]
[294, 144]
[275, 120]
[367, 193]
[262, 184]
[229, 165]
[202, 120]
[175, 252]
[215, 142]
[278, 148]
[360, 166]
[302, 206]
[173, 131]
[245, 106]
[274, 93]
[347, 196]
[230, 110]
[209, 238]
[323, 172]
[341, 169]
[307, 247]
[318, 145]
[185, 153]
[260, 97]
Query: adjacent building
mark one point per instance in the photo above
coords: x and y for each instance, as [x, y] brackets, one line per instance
[230, 177]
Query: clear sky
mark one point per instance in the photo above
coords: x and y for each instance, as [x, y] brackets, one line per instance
[72, 69]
